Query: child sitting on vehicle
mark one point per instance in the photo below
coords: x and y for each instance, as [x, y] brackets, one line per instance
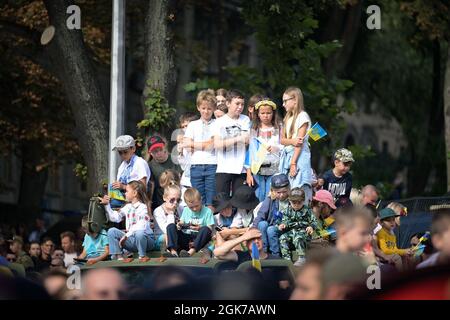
[95, 245]
[296, 226]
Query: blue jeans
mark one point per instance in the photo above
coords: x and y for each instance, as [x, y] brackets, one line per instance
[139, 242]
[203, 178]
[270, 235]
[263, 189]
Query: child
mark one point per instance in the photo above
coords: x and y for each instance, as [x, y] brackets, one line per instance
[221, 106]
[254, 99]
[167, 213]
[184, 155]
[265, 131]
[198, 139]
[139, 235]
[440, 237]
[270, 213]
[339, 180]
[231, 135]
[322, 206]
[399, 209]
[245, 202]
[171, 177]
[386, 240]
[353, 230]
[160, 162]
[295, 158]
[196, 223]
[296, 226]
[95, 245]
[132, 168]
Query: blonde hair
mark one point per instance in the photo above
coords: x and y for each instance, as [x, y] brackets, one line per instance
[172, 187]
[191, 195]
[356, 197]
[397, 207]
[298, 95]
[208, 96]
[169, 177]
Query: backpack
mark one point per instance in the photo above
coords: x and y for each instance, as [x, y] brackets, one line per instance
[97, 218]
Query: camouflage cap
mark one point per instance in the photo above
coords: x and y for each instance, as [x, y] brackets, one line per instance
[344, 155]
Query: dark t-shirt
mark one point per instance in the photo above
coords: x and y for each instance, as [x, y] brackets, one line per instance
[157, 169]
[339, 187]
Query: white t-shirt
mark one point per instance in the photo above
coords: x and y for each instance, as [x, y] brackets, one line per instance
[302, 118]
[140, 169]
[199, 131]
[231, 159]
[162, 220]
[68, 259]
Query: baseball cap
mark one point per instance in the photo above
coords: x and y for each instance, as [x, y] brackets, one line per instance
[279, 181]
[297, 194]
[344, 155]
[124, 142]
[325, 196]
[387, 213]
[155, 142]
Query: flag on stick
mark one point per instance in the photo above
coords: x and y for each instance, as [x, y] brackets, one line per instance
[316, 132]
[256, 262]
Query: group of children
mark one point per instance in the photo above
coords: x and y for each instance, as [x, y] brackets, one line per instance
[241, 173]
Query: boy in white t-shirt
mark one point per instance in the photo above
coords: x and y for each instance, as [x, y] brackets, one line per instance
[231, 135]
[198, 140]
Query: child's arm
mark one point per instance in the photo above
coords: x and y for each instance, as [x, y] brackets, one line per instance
[220, 143]
[99, 258]
[114, 216]
[298, 149]
[83, 254]
[190, 144]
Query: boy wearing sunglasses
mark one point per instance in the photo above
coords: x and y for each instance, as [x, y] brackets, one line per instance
[296, 226]
[132, 168]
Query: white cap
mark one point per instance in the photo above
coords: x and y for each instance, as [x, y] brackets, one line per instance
[124, 142]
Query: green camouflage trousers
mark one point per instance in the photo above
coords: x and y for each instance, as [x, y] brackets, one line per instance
[297, 239]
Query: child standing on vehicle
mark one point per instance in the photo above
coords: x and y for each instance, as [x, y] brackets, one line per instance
[295, 158]
[265, 134]
[139, 235]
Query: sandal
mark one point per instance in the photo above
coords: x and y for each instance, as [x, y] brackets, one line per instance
[144, 259]
[127, 260]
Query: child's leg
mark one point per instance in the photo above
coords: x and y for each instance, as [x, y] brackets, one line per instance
[260, 190]
[114, 236]
[273, 235]
[284, 246]
[172, 237]
[210, 183]
[300, 243]
[197, 180]
[140, 242]
[262, 226]
[201, 240]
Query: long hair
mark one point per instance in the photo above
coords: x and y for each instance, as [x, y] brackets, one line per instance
[298, 95]
[169, 177]
[141, 191]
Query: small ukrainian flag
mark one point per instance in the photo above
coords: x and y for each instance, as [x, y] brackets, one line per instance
[316, 132]
[256, 262]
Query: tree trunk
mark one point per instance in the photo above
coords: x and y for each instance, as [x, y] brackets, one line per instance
[185, 59]
[418, 173]
[447, 113]
[160, 72]
[32, 182]
[82, 90]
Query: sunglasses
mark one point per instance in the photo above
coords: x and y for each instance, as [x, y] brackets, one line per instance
[286, 100]
[174, 200]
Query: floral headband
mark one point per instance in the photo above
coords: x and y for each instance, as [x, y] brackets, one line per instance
[266, 103]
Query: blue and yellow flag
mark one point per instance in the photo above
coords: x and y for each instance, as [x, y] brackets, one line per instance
[115, 194]
[423, 238]
[328, 232]
[316, 132]
[256, 262]
[419, 250]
